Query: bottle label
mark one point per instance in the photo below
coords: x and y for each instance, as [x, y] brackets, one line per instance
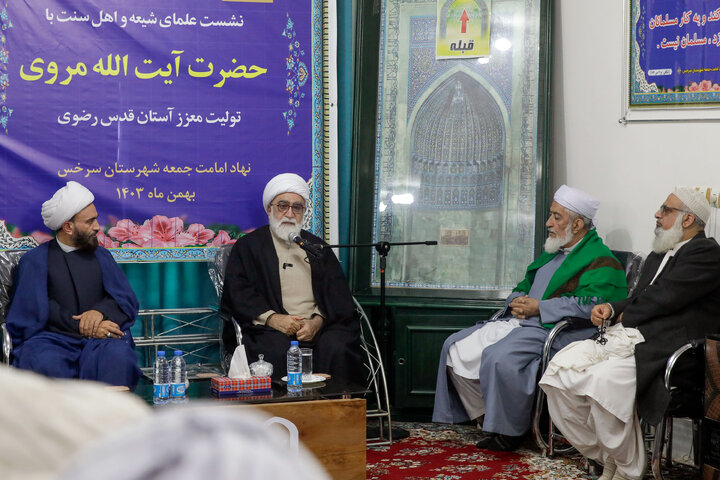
[161, 390]
[177, 390]
[295, 379]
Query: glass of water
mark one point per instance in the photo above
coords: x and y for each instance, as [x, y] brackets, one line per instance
[307, 367]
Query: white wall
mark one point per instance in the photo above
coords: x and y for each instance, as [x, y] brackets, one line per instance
[632, 168]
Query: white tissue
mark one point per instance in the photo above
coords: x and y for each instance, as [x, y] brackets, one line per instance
[239, 365]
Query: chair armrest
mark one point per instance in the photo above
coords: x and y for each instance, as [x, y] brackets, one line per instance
[494, 316]
[681, 353]
[226, 317]
[579, 322]
[547, 347]
[566, 323]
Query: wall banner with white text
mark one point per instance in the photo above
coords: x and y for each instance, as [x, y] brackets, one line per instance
[674, 54]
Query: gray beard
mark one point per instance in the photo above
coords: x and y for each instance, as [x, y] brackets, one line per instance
[554, 244]
[666, 239]
[282, 230]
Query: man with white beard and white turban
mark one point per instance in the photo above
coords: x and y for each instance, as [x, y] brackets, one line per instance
[597, 393]
[278, 293]
[491, 369]
[72, 307]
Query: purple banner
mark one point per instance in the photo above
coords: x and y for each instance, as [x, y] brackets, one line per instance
[675, 52]
[175, 114]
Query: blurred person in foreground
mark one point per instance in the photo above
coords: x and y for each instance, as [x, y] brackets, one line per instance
[45, 422]
[198, 442]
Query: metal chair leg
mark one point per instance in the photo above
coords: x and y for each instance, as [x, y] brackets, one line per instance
[669, 442]
[697, 443]
[658, 448]
[548, 448]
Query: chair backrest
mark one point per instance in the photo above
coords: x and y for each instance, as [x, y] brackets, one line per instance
[216, 268]
[379, 404]
[9, 260]
[369, 345]
[633, 263]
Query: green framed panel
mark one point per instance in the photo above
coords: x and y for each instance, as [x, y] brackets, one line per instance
[466, 141]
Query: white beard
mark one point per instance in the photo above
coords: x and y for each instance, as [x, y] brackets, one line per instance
[283, 228]
[553, 244]
[666, 239]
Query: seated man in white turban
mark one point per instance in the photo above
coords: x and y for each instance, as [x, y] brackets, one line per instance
[597, 393]
[278, 293]
[72, 307]
[491, 369]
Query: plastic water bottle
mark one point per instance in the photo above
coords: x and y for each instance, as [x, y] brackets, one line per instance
[178, 378]
[294, 368]
[161, 381]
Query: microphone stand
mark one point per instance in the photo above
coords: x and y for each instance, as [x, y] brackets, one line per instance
[383, 248]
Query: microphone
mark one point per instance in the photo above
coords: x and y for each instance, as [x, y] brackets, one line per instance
[304, 244]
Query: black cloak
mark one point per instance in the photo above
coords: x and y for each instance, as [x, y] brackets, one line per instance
[252, 287]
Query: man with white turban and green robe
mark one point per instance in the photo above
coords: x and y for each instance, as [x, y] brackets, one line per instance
[490, 370]
[278, 292]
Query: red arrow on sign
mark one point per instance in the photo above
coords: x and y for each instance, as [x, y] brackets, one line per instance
[464, 19]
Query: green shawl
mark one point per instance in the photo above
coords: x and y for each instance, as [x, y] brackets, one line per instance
[589, 270]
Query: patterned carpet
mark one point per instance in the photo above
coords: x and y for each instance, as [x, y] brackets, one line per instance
[448, 452]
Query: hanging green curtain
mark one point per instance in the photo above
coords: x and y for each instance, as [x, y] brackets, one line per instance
[171, 284]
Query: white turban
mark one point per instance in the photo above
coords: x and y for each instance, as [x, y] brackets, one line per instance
[695, 200]
[66, 202]
[285, 183]
[577, 201]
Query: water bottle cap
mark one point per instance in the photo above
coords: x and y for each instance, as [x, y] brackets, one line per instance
[293, 342]
[161, 353]
[178, 352]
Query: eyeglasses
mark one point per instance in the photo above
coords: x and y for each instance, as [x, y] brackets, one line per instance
[282, 207]
[664, 210]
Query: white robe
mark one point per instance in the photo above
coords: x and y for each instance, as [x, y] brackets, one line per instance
[590, 394]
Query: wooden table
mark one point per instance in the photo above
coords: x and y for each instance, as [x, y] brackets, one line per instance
[330, 423]
[333, 430]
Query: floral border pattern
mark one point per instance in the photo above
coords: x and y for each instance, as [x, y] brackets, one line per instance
[5, 111]
[297, 73]
[157, 239]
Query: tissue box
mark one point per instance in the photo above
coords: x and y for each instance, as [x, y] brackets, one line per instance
[239, 386]
[235, 396]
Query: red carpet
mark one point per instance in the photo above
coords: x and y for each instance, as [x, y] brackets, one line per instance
[448, 452]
